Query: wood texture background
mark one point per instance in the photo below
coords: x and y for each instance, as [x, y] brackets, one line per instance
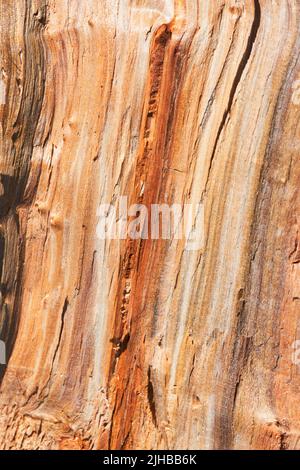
[131, 345]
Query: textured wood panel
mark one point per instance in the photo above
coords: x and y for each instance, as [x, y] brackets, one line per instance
[127, 344]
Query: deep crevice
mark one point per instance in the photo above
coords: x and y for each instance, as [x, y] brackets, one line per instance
[150, 395]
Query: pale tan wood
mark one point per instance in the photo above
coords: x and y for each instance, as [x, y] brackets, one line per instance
[122, 344]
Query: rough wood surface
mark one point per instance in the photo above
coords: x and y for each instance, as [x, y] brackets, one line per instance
[125, 344]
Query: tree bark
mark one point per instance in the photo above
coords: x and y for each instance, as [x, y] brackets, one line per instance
[142, 344]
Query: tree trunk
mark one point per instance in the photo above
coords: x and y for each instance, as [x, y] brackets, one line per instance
[141, 343]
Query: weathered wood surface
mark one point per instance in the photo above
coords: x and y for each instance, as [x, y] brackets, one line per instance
[122, 344]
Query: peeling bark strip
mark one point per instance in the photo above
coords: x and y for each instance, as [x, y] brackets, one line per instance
[141, 344]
